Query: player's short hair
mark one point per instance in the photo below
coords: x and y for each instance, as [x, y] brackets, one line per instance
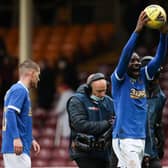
[28, 65]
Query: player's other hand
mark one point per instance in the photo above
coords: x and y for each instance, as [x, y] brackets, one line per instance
[142, 20]
[36, 147]
[164, 29]
[18, 146]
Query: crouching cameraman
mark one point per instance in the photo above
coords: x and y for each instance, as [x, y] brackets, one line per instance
[90, 117]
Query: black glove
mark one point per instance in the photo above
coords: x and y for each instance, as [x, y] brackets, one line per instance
[159, 140]
[111, 120]
[146, 162]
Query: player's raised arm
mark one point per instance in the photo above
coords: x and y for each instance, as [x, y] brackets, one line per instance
[160, 55]
[130, 45]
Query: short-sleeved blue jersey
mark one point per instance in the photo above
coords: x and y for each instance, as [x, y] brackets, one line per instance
[18, 101]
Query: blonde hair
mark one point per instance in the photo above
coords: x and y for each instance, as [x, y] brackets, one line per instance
[28, 65]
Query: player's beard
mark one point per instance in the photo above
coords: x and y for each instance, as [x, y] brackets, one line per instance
[33, 84]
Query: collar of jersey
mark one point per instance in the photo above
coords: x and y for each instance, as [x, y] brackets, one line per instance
[23, 86]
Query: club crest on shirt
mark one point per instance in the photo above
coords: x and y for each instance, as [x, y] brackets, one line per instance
[136, 94]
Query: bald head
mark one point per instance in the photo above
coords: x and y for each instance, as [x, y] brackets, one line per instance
[98, 84]
[94, 77]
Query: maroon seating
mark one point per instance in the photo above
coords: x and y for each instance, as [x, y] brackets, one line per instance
[58, 163]
[39, 163]
[59, 154]
[46, 142]
[48, 133]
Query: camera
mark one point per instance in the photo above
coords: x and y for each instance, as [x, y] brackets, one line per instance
[86, 143]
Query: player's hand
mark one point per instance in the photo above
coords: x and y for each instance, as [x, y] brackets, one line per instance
[18, 146]
[164, 29]
[142, 20]
[36, 147]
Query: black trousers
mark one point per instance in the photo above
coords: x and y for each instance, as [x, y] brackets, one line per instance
[92, 163]
[114, 159]
[151, 163]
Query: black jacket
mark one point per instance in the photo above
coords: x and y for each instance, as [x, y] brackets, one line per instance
[89, 117]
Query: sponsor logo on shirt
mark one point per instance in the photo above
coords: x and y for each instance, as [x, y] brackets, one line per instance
[136, 94]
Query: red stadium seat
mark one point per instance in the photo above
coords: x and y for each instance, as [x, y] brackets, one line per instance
[39, 163]
[60, 154]
[165, 162]
[64, 143]
[39, 114]
[46, 142]
[1, 163]
[51, 122]
[45, 154]
[49, 132]
[36, 133]
[57, 163]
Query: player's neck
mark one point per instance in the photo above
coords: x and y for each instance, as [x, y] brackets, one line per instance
[25, 81]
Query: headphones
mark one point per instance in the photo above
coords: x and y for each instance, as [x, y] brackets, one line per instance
[145, 60]
[92, 78]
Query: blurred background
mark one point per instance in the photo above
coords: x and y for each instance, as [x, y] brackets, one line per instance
[69, 39]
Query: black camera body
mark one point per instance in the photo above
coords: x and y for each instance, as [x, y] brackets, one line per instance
[86, 143]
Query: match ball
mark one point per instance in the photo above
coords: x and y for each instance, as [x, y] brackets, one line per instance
[157, 16]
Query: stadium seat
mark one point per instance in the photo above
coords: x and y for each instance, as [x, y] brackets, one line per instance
[37, 55]
[87, 45]
[1, 163]
[45, 154]
[1, 160]
[46, 142]
[165, 162]
[36, 133]
[51, 52]
[59, 30]
[39, 163]
[64, 143]
[69, 49]
[57, 163]
[51, 122]
[48, 133]
[106, 32]
[39, 114]
[60, 154]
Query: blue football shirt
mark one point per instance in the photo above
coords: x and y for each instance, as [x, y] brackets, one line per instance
[18, 101]
[129, 99]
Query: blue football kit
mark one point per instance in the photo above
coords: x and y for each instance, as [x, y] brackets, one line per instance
[17, 119]
[129, 94]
